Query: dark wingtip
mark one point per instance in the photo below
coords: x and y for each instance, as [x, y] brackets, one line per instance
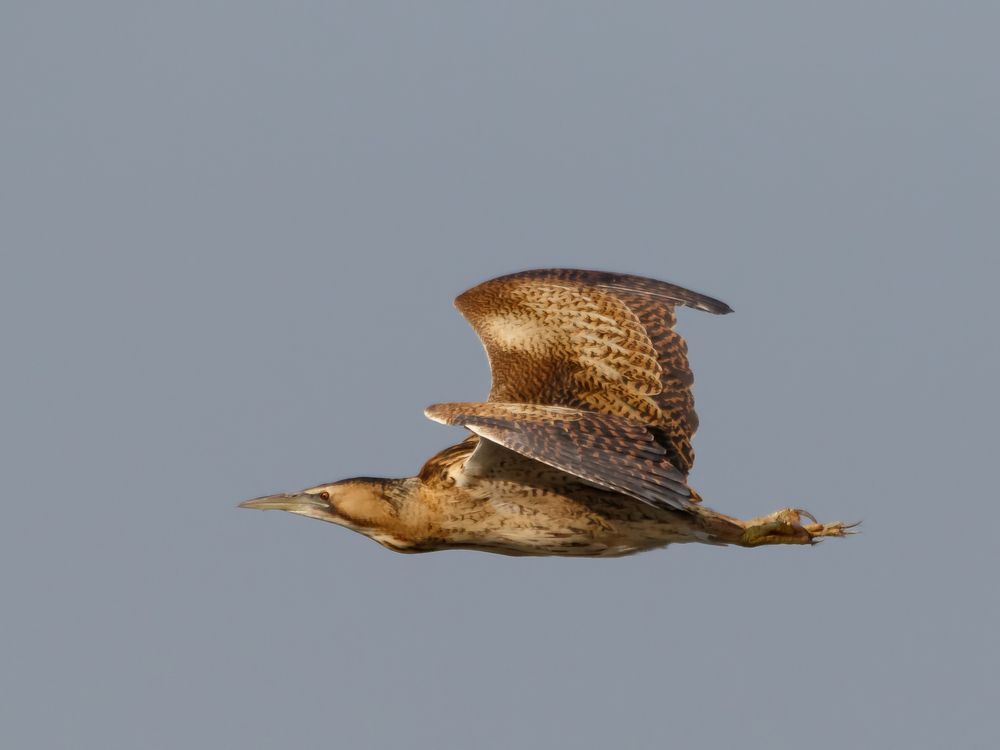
[712, 305]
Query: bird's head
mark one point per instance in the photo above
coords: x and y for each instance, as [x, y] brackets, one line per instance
[361, 504]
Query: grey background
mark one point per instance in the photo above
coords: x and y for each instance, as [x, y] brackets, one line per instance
[231, 233]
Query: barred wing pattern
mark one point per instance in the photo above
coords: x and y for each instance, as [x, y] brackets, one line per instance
[592, 341]
[605, 450]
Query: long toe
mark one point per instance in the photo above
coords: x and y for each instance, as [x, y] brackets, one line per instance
[836, 528]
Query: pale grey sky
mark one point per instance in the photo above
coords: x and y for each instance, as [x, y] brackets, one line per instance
[231, 234]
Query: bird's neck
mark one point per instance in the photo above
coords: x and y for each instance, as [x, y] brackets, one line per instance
[407, 524]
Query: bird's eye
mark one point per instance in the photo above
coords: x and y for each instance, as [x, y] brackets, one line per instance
[325, 495]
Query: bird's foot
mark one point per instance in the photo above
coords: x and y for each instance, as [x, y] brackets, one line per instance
[786, 527]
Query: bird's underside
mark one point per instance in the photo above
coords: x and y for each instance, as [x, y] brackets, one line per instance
[491, 498]
[583, 446]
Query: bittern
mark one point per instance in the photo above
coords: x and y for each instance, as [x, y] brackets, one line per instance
[583, 447]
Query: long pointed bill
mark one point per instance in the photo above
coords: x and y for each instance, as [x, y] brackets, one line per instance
[300, 503]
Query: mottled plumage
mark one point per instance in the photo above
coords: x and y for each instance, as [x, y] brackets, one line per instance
[604, 449]
[592, 341]
[583, 446]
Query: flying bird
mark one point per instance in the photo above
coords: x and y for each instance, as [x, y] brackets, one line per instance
[583, 447]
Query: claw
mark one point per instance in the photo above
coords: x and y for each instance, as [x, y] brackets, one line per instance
[807, 514]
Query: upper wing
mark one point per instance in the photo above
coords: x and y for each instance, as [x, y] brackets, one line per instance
[603, 449]
[593, 341]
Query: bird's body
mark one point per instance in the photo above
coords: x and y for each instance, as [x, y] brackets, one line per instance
[522, 507]
[583, 447]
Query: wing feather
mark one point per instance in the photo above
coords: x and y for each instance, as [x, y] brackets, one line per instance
[592, 341]
[605, 450]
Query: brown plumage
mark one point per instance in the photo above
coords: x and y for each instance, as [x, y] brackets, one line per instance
[583, 446]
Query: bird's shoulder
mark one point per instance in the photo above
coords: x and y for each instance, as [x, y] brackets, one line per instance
[444, 467]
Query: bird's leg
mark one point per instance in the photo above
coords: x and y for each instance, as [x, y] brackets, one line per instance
[786, 527]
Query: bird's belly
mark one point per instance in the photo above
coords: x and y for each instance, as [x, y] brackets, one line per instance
[585, 524]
